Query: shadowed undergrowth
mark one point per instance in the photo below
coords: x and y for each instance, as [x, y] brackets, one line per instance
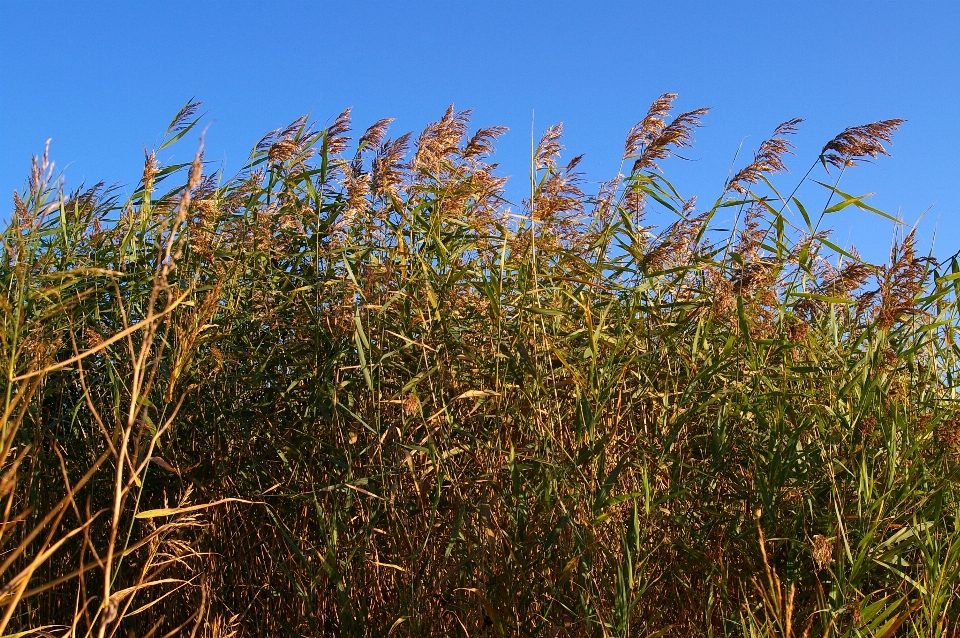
[354, 391]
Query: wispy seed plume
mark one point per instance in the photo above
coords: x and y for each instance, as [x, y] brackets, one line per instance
[644, 131]
[548, 150]
[441, 140]
[768, 159]
[857, 143]
[387, 168]
[653, 141]
[337, 138]
[374, 135]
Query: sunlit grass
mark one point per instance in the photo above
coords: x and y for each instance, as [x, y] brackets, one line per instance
[359, 393]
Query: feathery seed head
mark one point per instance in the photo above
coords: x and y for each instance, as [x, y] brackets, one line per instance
[482, 142]
[548, 150]
[644, 131]
[20, 211]
[857, 143]
[292, 142]
[947, 434]
[663, 141]
[150, 169]
[373, 136]
[797, 330]
[559, 193]
[337, 133]
[768, 159]
[441, 140]
[387, 167]
[410, 404]
[180, 120]
[282, 151]
[41, 171]
[900, 283]
[603, 203]
[93, 337]
[821, 548]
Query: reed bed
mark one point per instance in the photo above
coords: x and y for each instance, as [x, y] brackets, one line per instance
[355, 391]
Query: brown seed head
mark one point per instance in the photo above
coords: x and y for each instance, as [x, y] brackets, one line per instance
[208, 209]
[548, 150]
[387, 167]
[856, 616]
[676, 244]
[93, 337]
[482, 142]
[373, 136]
[900, 283]
[768, 159]
[867, 426]
[282, 151]
[410, 404]
[150, 169]
[822, 551]
[194, 178]
[337, 133]
[603, 203]
[797, 330]
[560, 193]
[289, 143]
[676, 135]
[41, 171]
[181, 120]
[357, 184]
[21, 214]
[644, 131]
[441, 140]
[634, 202]
[857, 143]
[849, 278]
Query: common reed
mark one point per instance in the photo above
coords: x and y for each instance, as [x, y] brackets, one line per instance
[361, 393]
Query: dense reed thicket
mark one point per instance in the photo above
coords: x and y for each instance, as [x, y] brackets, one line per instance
[353, 391]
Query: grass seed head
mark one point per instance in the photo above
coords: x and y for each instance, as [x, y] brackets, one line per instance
[94, 339]
[387, 169]
[150, 168]
[337, 139]
[768, 159]
[549, 147]
[410, 404]
[667, 140]
[647, 129]
[374, 136]
[867, 426]
[440, 141]
[857, 143]
[821, 549]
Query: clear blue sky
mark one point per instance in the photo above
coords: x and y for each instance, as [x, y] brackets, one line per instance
[104, 78]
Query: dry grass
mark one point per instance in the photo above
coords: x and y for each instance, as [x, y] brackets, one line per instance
[350, 393]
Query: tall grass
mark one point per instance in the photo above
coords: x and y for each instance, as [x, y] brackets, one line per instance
[355, 391]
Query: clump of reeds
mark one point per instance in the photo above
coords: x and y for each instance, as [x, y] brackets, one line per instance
[357, 392]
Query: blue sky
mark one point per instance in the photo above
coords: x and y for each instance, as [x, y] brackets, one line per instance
[102, 79]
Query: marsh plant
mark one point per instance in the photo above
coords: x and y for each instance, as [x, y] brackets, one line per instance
[355, 391]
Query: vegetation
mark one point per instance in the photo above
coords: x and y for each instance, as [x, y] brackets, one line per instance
[360, 393]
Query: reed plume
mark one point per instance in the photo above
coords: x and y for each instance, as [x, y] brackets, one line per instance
[857, 143]
[652, 140]
[768, 159]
